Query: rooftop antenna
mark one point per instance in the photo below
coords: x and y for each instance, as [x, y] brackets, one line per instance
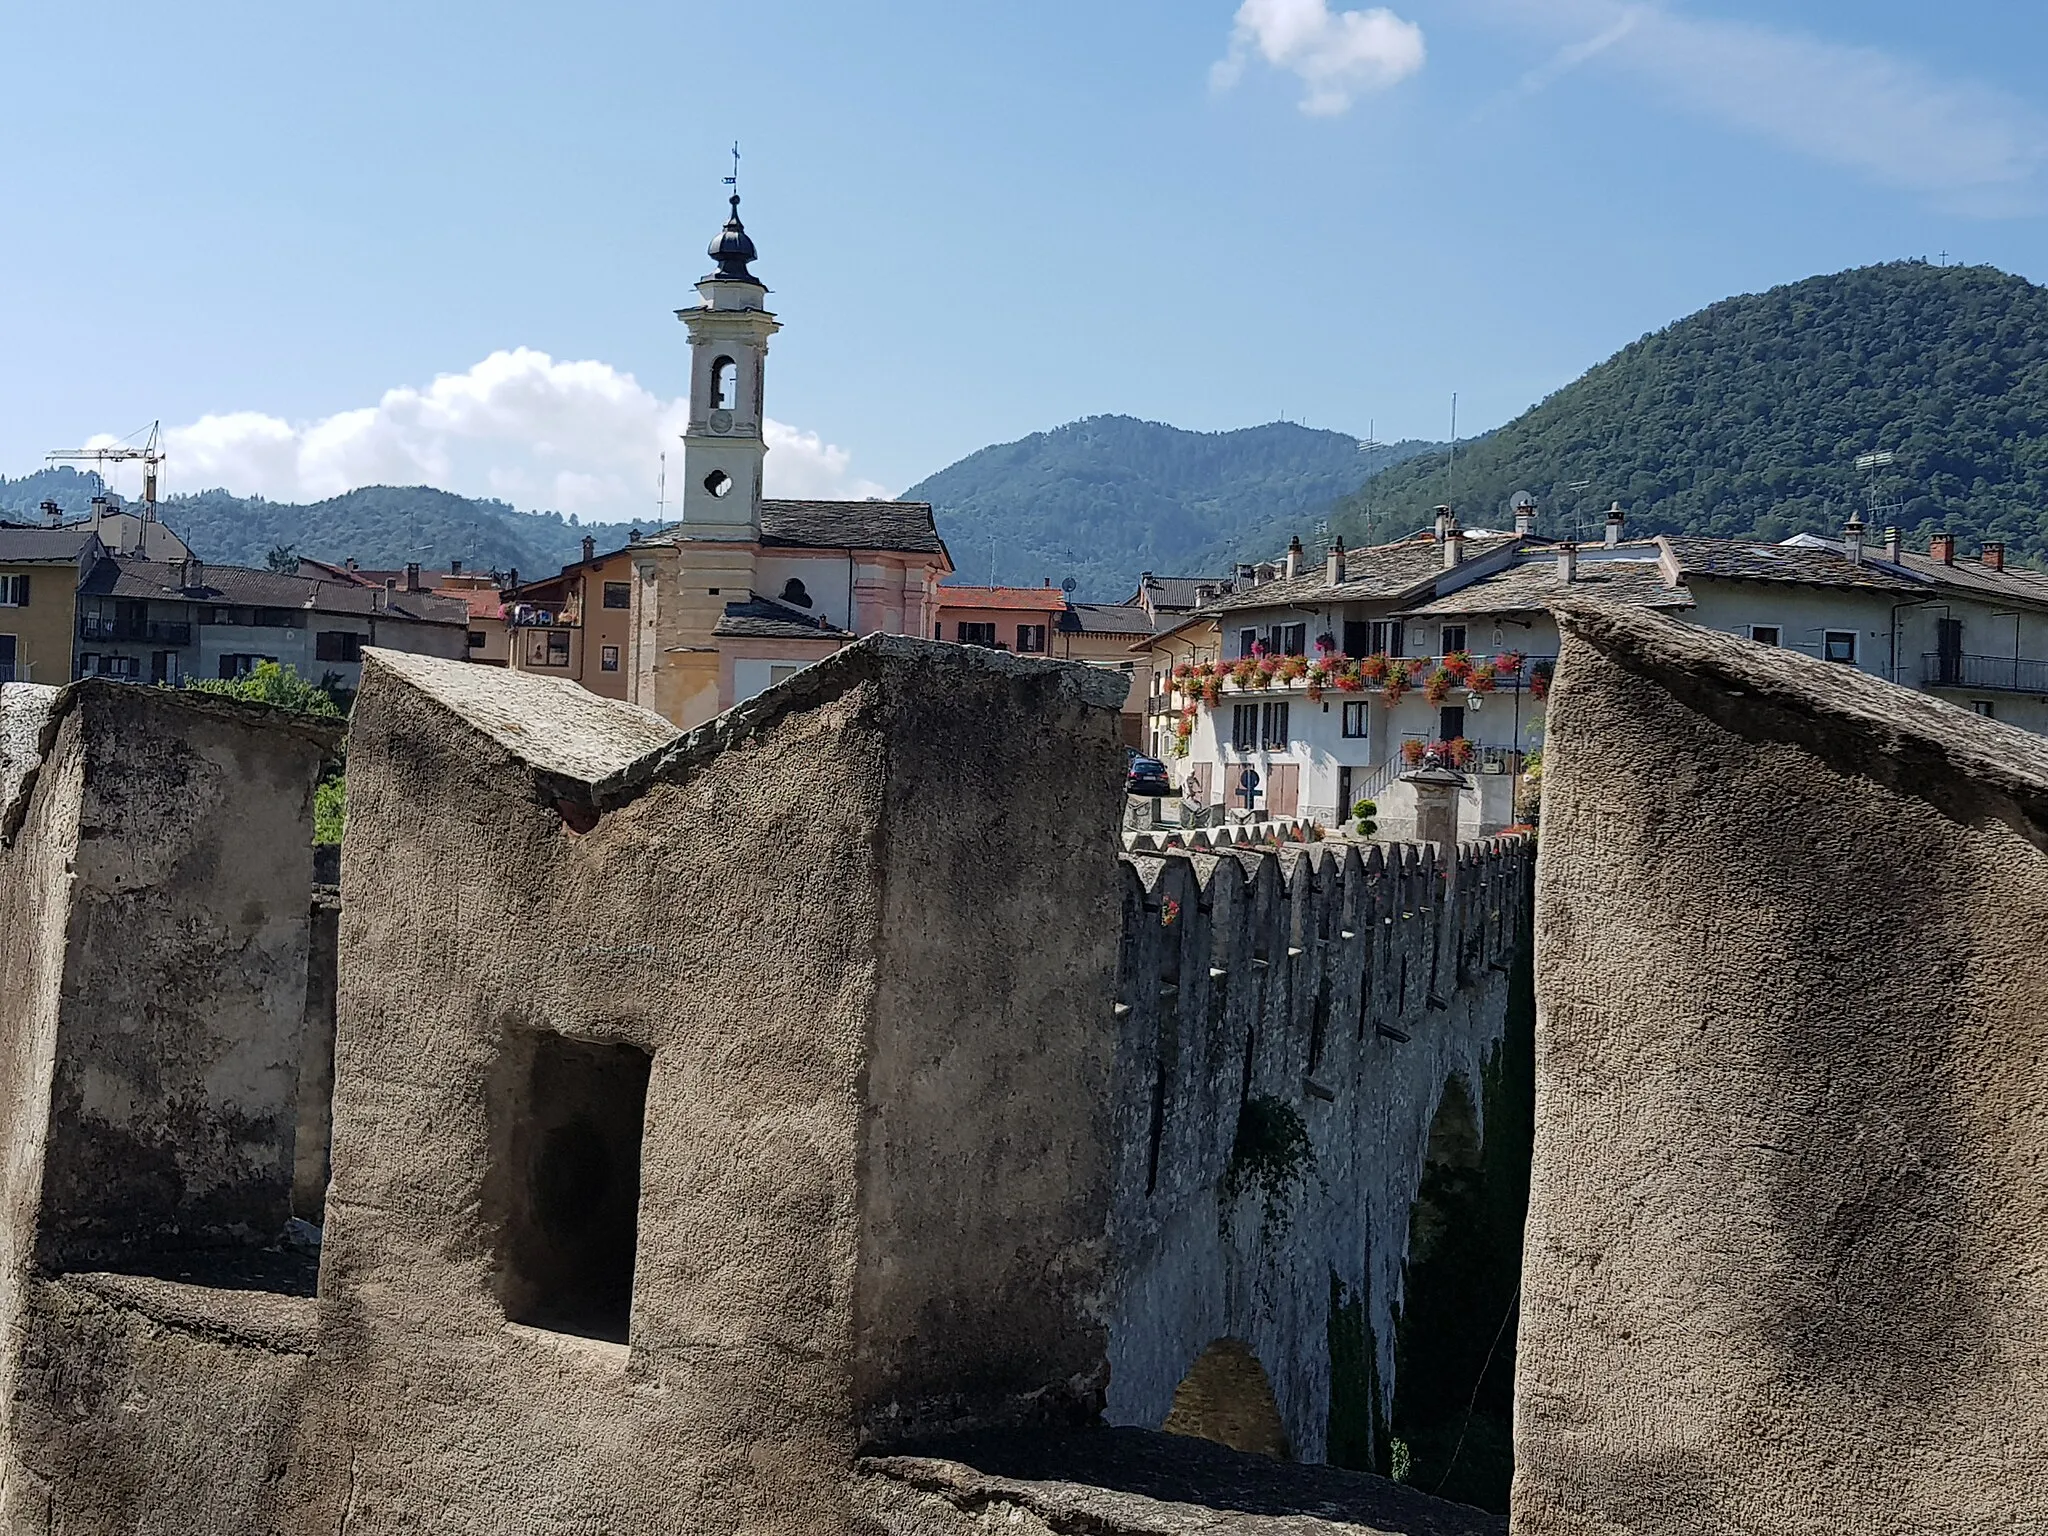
[1578, 531]
[1451, 468]
[1369, 445]
[661, 492]
[1871, 463]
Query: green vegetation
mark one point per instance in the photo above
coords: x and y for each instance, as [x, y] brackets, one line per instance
[1454, 1340]
[1270, 1154]
[1366, 814]
[283, 688]
[1747, 418]
[1107, 497]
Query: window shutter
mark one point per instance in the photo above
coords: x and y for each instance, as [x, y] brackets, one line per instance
[21, 591]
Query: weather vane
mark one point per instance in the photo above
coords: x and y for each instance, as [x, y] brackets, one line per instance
[733, 180]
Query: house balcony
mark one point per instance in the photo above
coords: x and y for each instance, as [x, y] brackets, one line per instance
[93, 626]
[1984, 674]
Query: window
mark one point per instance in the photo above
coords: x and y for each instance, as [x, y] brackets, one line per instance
[1292, 638]
[1839, 645]
[13, 591]
[1273, 727]
[725, 385]
[1357, 638]
[793, 592]
[233, 665]
[163, 668]
[1453, 638]
[1384, 635]
[1244, 727]
[1764, 634]
[1030, 637]
[782, 674]
[977, 634]
[563, 1197]
[547, 647]
[338, 645]
[1247, 641]
[718, 482]
[618, 594]
[1983, 707]
[1356, 713]
[608, 658]
[476, 640]
[128, 668]
[7, 660]
[1450, 723]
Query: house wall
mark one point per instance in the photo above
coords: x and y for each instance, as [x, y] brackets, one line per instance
[752, 671]
[44, 630]
[951, 617]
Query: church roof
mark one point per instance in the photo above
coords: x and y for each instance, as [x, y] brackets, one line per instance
[904, 526]
[764, 618]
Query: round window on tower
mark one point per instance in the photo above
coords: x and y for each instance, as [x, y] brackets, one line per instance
[718, 482]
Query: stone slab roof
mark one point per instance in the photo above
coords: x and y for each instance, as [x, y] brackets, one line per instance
[1134, 1482]
[1534, 584]
[1975, 578]
[1378, 571]
[23, 545]
[905, 526]
[1740, 560]
[1176, 593]
[1104, 619]
[1897, 735]
[766, 618]
[243, 586]
[557, 726]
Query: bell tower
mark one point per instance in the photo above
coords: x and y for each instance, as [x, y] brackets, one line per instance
[723, 449]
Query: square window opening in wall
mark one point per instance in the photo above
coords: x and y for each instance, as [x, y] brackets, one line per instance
[563, 1194]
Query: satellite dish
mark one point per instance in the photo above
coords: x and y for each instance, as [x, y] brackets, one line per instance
[1521, 501]
[1069, 585]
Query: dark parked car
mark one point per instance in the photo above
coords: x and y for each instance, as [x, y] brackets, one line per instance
[1147, 776]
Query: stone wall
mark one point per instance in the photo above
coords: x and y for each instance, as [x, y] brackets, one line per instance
[1785, 1245]
[1287, 1025]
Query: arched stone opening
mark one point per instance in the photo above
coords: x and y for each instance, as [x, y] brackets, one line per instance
[1227, 1397]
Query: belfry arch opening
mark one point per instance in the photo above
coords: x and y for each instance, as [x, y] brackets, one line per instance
[1227, 1397]
[718, 482]
[725, 384]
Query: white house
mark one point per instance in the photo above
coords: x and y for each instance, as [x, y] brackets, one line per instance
[1304, 694]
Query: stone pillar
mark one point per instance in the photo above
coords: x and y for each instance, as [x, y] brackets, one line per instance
[1436, 805]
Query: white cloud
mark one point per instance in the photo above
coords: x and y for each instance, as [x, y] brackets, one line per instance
[1337, 54]
[576, 437]
[1868, 111]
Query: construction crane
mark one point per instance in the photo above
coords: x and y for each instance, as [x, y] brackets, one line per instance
[150, 453]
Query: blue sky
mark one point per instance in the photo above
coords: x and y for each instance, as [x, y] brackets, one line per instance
[276, 227]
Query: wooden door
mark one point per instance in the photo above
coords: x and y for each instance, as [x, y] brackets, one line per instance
[1283, 789]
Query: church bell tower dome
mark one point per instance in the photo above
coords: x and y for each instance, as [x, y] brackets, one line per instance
[733, 248]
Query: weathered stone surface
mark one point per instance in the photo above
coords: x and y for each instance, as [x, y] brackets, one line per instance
[1288, 1039]
[1785, 1241]
[24, 710]
[1128, 1482]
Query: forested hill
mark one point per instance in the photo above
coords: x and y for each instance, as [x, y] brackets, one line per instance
[1106, 497]
[379, 525]
[1747, 418]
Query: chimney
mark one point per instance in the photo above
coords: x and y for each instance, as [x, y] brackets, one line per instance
[1525, 521]
[382, 598]
[99, 509]
[349, 564]
[1333, 564]
[53, 513]
[454, 567]
[1294, 557]
[633, 536]
[1943, 548]
[412, 576]
[1443, 523]
[589, 549]
[1615, 517]
[1454, 547]
[1567, 561]
[194, 576]
[1891, 544]
[1994, 555]
[1852, 539]
[512, 579]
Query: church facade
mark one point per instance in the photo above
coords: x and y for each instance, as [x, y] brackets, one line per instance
[746, 590]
